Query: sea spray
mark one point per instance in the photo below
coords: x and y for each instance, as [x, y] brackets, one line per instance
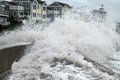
[58, 50]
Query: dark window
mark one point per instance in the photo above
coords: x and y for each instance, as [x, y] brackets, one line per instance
[58, 9]
[21, 13]
[14, 13]
[55, 8]
[34, 14]
[27, 6]
[27, 13]
[20, 4]
[44, 8]
[34, 6]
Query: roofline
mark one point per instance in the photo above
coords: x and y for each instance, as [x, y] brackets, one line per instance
[59, 3]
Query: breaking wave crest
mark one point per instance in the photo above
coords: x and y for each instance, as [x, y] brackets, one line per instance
[58, 49]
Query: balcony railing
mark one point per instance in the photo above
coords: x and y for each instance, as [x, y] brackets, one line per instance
[16, 8]
[20, 8]
[5, 23]
[5, 13]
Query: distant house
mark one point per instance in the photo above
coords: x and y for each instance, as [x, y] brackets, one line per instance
[57, 9]
[100, 13]
[35, 9]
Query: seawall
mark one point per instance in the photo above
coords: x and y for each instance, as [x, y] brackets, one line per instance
[7, 57]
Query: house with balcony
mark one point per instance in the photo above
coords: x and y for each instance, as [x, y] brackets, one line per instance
[8, 11]
[57, 9]
[35, 9]
[4, 16]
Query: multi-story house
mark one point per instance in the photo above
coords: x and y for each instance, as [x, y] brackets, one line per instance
[4, 16]
[39, 10]
[35, 9]
[10, 11]
[26, 4]
[57, 9]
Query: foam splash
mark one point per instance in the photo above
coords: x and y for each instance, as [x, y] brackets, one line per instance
[59, 49]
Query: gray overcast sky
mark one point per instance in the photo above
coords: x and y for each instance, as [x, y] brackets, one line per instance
[112, 6]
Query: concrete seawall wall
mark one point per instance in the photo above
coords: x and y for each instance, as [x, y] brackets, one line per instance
[8, 56]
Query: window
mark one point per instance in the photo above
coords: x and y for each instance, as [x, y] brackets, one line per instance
[44, 16]
[27, 6]
[38, 6]
[14, 13]
[1, 20]
[55, 8]
[34, 14]
[21, 13]
[34, 6]
[20, 4]
[27, 13]
[44, 8]
[1, 8]
[59, 9]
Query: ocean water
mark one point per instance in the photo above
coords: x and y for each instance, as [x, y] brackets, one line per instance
[58, 49]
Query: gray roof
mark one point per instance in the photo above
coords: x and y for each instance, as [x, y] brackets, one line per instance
[7, 3]
[60, 4]
[39, 1]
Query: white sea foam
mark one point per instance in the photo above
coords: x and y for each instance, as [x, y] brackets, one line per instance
[59, 49]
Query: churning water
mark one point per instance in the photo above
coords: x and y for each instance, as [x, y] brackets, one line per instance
[58, 50]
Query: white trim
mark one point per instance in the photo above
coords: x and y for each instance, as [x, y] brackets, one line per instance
[35, 1]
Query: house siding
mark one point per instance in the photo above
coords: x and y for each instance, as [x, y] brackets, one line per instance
[27, 10]
[37, 11]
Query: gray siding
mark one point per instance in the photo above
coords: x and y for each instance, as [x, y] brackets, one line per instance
[26, 5]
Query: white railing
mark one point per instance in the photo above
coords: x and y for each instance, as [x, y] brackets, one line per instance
[56, 12]
[20, 8]
[16, 8]
[4, 13]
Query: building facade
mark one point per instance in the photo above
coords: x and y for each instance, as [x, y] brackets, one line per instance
[57, 9]
[35, 9]
[9, 11]
[39, 10]
[4, 15]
